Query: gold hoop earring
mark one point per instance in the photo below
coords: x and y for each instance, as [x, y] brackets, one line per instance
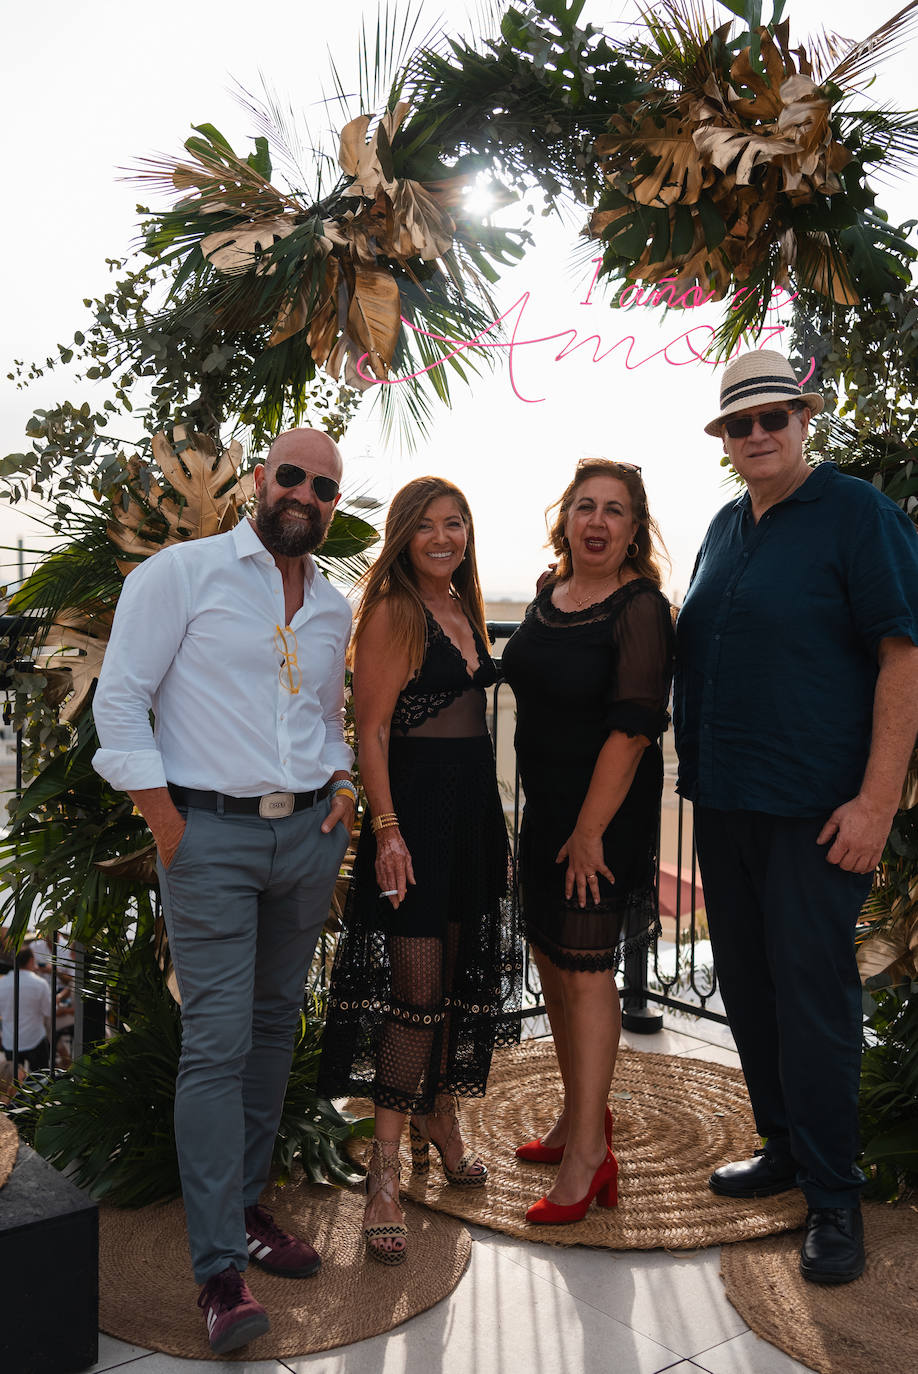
[632, 550]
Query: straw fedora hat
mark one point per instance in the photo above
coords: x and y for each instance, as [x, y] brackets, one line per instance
[754, 379]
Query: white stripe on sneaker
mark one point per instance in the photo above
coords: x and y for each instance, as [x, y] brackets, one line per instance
[265, 1250]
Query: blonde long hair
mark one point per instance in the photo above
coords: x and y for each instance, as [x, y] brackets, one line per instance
[650, 546]
[391, 577]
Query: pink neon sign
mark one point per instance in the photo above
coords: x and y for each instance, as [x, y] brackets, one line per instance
[637, 297]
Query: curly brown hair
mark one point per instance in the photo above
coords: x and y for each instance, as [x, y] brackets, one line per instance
[391, 577]
[650, 546]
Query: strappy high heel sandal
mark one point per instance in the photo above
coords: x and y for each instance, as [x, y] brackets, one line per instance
[470, 1172]
[379, 1238]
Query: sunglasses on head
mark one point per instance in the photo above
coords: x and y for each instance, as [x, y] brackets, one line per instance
[629, 467]
[289, 475]
[740, 426]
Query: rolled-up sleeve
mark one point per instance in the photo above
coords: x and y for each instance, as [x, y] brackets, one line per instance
[150, 622]
[883, 575]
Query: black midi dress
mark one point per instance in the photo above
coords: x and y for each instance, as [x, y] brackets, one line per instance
[420, 995]
[577, 677]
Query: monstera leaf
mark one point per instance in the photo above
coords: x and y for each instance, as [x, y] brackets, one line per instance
[75, 644]
[679, 175]
[205, 497]
[241, 249]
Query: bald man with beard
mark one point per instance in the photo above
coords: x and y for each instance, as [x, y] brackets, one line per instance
[236, 644]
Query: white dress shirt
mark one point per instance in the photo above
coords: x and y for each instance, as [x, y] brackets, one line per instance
[34, 1009]
[194, 640]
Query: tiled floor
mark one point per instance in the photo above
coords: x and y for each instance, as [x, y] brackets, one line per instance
[543, 1309]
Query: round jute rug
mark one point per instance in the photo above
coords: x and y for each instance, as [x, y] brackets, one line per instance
[676, 1119]
[856, 1328]
[9, 1148]
[147, 1294]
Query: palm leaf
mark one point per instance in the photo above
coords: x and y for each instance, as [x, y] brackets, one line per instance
[109, 1120]
[862, 59]
[79, 575]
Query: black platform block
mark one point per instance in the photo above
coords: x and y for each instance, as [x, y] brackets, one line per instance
[49, 1271]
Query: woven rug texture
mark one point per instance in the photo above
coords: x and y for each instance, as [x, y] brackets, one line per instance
[148, 1295]
[855, 1328]
[9, 1147]
[676, 1119]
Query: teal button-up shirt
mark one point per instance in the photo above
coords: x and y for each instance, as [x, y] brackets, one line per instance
[777, 645]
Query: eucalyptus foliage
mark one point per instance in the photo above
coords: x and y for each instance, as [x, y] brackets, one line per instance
[889, 1093]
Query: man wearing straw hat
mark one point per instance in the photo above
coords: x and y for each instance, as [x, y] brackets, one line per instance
[796, 710]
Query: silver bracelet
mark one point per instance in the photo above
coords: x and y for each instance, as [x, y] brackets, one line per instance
[344, 785]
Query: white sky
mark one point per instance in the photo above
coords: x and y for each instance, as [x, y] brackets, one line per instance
[87, 89]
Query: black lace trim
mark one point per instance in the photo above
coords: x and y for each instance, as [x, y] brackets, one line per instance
[413, 1015]
[412, 711]
[546, 612]
[593, 961]
[436, 630]
[413, 707]
[382, 1096]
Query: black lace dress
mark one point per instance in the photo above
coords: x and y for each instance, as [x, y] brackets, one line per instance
[420, 995]
[577, 677]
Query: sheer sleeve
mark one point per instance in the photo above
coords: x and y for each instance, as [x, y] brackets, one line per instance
[643, 641]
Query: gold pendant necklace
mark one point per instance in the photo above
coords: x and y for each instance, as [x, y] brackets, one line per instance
[590, 597]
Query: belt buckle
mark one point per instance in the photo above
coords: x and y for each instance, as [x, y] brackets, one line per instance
[276, 805]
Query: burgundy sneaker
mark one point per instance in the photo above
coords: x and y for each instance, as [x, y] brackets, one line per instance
[276, 1251]
[233, 1316]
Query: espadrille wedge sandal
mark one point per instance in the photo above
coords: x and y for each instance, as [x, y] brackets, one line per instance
[470, 1172]
[387, 1242]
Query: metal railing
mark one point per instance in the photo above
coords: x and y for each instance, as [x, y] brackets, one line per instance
[671, 973]
[659, 973]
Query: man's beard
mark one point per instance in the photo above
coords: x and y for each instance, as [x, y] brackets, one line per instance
[289, 538]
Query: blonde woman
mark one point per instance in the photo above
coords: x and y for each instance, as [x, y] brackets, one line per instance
[427, 970]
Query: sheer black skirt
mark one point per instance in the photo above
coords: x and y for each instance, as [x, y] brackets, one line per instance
[419, 997]
[594, 938]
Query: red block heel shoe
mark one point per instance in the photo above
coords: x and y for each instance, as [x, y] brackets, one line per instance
[536, 1153]
[604, 1188]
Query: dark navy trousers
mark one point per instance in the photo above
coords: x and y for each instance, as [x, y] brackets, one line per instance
[782, 919]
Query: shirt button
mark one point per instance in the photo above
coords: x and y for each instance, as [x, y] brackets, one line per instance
[710, 684]
[706, 725]
[717, 636]
[745, 555]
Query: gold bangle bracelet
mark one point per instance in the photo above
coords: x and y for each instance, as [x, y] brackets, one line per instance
[383, 822]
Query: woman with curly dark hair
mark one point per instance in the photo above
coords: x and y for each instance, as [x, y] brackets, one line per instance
[590, 667]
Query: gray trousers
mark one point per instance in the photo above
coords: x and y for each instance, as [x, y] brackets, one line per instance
[244, 901]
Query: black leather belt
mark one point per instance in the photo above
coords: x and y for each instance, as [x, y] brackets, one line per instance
[272, 804]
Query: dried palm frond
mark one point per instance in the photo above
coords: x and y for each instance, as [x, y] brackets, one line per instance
[138, 866]
[861, 60]
[205, 496]
[74, 644]
[737, 167]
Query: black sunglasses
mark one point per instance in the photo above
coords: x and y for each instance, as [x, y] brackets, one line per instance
[740, 426]
[289, 475]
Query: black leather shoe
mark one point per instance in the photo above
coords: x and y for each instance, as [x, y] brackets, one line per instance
[760, 1176]
[833, 1249]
